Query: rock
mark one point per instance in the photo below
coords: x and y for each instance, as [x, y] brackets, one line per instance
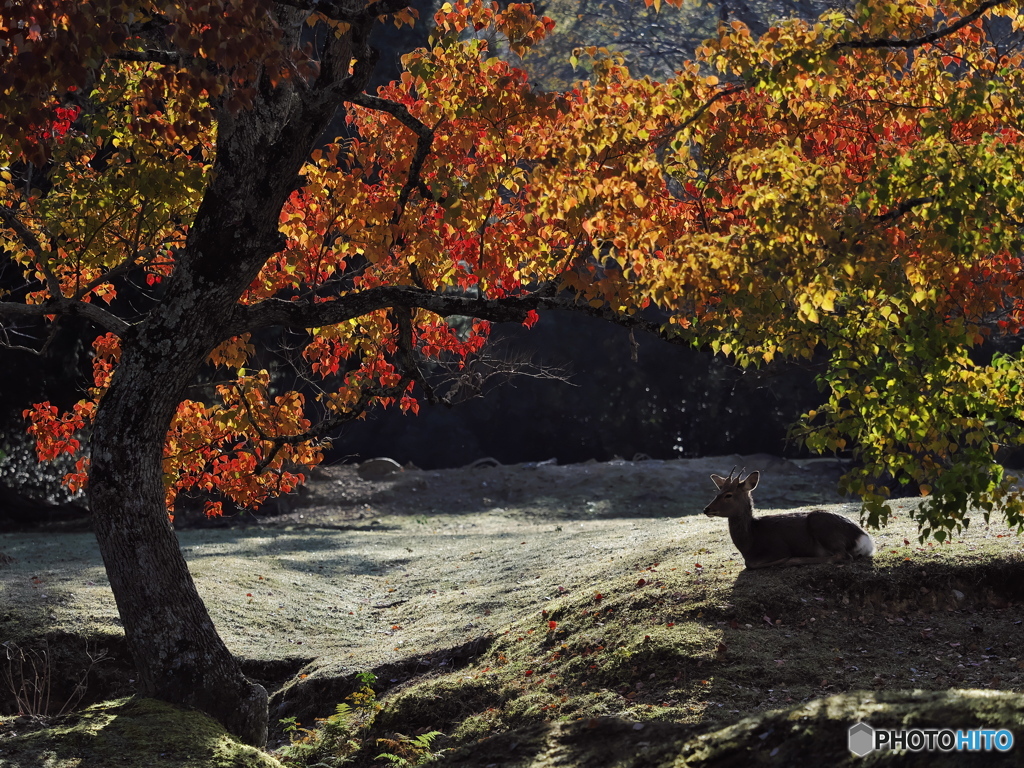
[374, 469]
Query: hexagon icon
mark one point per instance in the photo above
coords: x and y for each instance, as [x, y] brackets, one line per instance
[861, 739]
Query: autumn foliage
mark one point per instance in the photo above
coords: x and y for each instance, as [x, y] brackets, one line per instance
[847, 188]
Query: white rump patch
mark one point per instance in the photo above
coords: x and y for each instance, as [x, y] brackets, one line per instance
[865, 546]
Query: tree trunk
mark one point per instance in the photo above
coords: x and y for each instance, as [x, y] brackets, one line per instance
[179, 656]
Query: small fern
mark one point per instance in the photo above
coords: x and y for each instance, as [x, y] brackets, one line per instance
[408, 750]
[334, 740]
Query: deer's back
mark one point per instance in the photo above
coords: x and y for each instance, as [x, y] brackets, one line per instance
[803, 534]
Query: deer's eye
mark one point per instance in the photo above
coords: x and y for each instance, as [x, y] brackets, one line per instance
[728, 495]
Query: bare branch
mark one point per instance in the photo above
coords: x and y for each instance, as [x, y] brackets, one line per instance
[6, 344]
[931, 37]
[467, 379]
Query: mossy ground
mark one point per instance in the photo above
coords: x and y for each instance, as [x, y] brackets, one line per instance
[125, 732]
[813, 734]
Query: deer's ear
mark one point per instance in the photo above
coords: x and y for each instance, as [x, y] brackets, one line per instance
[751, 482]
[719, 481]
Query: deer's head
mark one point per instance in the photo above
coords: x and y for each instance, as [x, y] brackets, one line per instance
[733, 494]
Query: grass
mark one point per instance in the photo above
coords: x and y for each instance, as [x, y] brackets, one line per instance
[698, 648]
[520, 638]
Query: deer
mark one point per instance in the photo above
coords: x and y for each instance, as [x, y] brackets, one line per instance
[795, 538]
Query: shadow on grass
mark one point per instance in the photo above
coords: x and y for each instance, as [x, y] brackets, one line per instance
[794, 634]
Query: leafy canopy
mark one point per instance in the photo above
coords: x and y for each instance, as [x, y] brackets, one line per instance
[848, 187]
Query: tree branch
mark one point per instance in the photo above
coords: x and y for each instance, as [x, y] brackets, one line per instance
[26, 235]
[294, 314]
[905, 207]
[323, 428]
[382, 7]
[58, 303]
[931, 37]
[69, 308]
[425, 138]
[676, 129]
[151, 56]
[298, 315]
[29, 239]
